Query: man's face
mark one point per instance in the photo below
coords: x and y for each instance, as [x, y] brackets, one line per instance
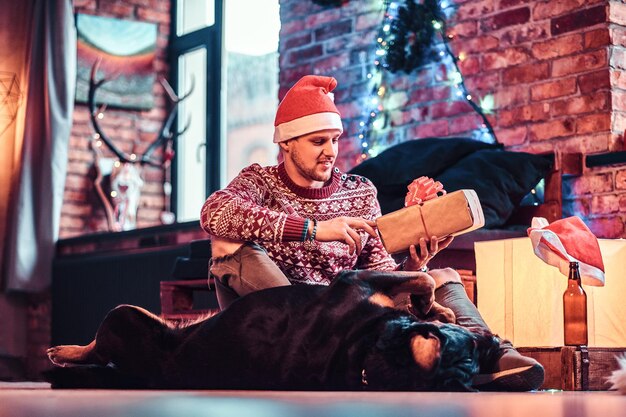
[310, 158]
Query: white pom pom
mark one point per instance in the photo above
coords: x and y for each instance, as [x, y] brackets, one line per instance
[618, 377]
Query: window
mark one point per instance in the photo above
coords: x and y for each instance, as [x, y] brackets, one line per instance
[231, 110]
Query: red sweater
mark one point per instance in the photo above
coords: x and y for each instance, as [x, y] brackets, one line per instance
[263, 205]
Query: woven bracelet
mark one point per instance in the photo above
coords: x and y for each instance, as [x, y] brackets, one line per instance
[312, 237]
[305, 230]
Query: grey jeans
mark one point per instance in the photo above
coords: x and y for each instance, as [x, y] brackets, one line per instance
[247, 270]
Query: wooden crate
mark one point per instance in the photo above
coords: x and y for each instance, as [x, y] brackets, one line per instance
[575, 368]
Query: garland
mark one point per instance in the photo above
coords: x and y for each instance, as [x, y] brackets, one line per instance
[413, 35]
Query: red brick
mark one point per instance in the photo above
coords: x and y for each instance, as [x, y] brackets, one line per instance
[367, 21]
[552, 89]
[449, 108]
[551, 8]
[511, 137]
[617, 13]
[152, 15]
[476, 44]
[622, 203]
[116, 9]
[505, 4]
[618, 35]
[578, 20]
[605, 204]
[297, 40]
[331, 64]
[597, 38]
[620, 179]
[607, 227]
[424, 130]
[337, 28]
[525, 73]
[619, 122]
[587, 144]
[579, 63]
[530, 113]
[299, 56]
[466, 29]
[470, 66]
[465, 123]
[506, 58]
[504, 19]
[475, 9]
[619, 100]
[618, 57]
[581, 104]
[401, 117]
[593, 123]
[594, 81]
[530, 32]
[325, 17]
[287, 28]
[483, 81]
[423, 95]
[552, 129]
[562, 46]
[508, 96]
[589, 184]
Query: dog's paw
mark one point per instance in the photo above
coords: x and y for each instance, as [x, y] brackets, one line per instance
[65, 355]
[440, 313]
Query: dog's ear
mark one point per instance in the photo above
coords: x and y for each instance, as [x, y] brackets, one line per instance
[426, 351]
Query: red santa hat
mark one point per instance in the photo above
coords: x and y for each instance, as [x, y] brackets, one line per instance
[568, 240]
[307, 107]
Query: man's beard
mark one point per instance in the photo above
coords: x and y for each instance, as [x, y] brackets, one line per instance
[309, 173]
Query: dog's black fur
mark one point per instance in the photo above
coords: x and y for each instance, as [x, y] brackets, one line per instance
[342, 337]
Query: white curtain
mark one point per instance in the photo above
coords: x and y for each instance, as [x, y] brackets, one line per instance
[41, 139]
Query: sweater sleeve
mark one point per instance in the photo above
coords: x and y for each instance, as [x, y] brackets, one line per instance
[374, 255]
[240, 212]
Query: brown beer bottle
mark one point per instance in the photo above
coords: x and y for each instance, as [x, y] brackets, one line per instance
[575, 309]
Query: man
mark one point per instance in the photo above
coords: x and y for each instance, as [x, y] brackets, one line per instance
[303, 221]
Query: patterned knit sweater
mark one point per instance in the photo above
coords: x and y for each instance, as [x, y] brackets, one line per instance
[263, 205]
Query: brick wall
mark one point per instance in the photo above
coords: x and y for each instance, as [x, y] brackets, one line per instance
[82, 212]
[554, 69]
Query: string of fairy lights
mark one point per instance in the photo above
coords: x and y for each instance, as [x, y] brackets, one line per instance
[374, 117]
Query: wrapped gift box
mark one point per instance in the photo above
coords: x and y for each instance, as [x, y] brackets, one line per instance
[451, 214]
[521, 297]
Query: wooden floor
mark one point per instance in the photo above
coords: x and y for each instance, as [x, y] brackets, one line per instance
[32, 400]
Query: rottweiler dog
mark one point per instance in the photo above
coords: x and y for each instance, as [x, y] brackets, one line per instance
[346, 336]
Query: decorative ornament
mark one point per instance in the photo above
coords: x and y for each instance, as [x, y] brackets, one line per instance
[413, 34]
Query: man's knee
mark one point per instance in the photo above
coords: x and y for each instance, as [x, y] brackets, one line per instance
[443, 276]
[223, 247]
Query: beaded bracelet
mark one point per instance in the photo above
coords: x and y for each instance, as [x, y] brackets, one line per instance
[312, 237]
[305, 230]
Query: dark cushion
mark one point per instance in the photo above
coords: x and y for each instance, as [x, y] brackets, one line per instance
[394, 169]
[501, 179]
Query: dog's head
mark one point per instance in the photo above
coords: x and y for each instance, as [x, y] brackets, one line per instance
[417, 356]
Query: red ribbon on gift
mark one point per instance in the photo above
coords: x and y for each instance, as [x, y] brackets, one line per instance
[423, 189]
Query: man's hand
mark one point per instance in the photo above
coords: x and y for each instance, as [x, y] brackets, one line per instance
[346, 230]
[417, 261]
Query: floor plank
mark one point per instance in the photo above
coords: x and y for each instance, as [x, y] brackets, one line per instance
[38, 400]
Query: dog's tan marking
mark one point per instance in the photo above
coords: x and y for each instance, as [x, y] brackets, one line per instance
[425, 351]
[381, 300]
[68, 355]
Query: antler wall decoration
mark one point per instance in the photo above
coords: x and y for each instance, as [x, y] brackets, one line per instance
[119, 180]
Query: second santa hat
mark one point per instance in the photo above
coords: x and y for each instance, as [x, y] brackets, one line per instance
[307, 107]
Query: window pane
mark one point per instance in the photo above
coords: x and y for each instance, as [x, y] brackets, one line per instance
[190, 151]
[251, 63]
[194, 14]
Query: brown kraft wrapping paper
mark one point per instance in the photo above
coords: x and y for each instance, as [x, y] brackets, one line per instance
[451, 214]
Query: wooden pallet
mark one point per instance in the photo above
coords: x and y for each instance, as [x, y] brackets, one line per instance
[575, 368]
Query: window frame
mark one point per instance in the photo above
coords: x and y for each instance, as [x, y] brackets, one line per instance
[211, 39]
